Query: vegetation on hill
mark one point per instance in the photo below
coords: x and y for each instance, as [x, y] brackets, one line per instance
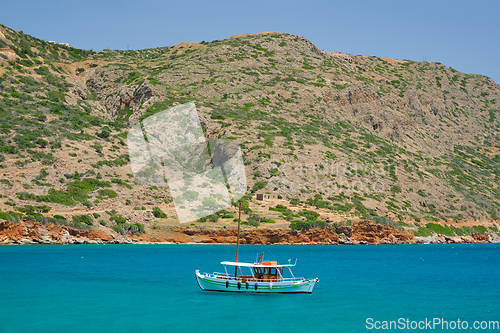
[359, 136]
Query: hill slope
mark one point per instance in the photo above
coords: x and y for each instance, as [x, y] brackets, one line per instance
[353, 136]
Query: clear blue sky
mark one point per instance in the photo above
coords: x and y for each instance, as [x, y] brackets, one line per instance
[461, 34]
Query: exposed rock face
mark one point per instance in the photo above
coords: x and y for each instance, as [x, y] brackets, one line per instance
[372, 233]
[262, 236]
[362, 232]
[117, 97]
[474, 238]
[480, 237]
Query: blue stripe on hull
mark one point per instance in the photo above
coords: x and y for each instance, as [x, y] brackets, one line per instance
[212, 284]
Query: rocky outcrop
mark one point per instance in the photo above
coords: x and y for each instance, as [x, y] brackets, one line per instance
[480, 237]
[29, 232]
[260, 236]
[443, 239]
[362, 232]
[369, 232]
[372, 233]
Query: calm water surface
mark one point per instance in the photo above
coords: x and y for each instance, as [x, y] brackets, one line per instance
[152, 288]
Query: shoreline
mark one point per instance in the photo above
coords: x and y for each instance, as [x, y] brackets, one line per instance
[215, 244]
[360, 233]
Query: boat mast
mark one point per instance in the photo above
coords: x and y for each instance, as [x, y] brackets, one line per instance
[237, 241]
[260, 258]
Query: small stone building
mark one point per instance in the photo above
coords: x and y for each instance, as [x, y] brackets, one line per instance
[265, 196]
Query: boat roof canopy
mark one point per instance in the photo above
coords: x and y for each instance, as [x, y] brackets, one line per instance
[245, 264]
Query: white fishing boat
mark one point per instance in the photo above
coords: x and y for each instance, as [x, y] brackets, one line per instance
[262, 277]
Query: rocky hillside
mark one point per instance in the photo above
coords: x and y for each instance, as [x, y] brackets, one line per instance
[351, 136]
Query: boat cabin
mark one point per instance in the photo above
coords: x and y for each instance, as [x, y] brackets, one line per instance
[265, 271]
[268, 273]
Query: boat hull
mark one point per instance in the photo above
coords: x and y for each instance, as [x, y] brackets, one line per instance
[209, 283]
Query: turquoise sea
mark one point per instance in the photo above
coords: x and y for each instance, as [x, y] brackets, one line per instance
[152, 288]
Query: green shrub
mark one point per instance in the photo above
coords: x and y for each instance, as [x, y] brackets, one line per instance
[121, 182]
[258, 186]
[253, 220]
[280, 208]
[158, 213]
[34, 209]
[105, 133]
[309, 215]
[77, 191]
[55, 145]
[140, 227]
[210, 203]
[26, 196]
[423, 232]
[118, 219]
[108, 193]
[190, 195]
[477, 228]
[431, 228]
[98, 148]
[56, 96]
[299, 225]
[6, 182]
[286, 213]
[11, 216]
[395, 189]
[79, 219]
[117, 228]
[245, 207]
[273, 173]
[58, 196]
[9, 149]
[318, 202]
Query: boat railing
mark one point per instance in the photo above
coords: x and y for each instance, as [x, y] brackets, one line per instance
[226, 276]
[220, 275]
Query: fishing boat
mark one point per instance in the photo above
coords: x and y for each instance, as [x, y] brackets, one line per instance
[262, 277]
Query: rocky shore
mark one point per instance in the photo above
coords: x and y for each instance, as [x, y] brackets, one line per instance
[29, 232]
[362, 232]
